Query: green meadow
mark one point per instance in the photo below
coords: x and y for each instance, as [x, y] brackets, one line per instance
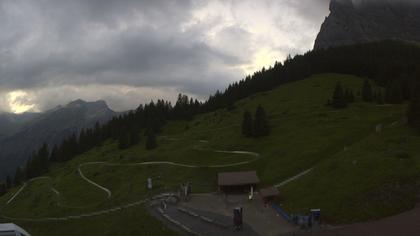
[358, 173]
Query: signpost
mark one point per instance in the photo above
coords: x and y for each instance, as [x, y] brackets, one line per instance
[149, 183]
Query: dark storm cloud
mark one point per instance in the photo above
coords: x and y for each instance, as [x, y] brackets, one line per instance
[61, 40]
[46, 45]
[311, 10]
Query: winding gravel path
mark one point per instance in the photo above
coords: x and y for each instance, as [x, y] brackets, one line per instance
[109, 193]
[253, 155]
[301, 174]
[24, 186]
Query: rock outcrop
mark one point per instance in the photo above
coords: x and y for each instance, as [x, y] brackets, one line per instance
[362, 21]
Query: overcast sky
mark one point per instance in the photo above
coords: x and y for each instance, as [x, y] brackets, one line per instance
[128, 52]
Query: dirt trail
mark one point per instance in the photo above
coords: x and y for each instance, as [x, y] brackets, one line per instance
[253, 155]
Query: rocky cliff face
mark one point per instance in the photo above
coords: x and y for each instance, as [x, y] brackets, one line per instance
[363, 21]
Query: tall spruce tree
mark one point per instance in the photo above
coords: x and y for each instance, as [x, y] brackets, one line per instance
[379, 98]
[349, 95]
[413, 113]
[339, 98]
[393, 93]
[247, 124]
[261, 126]
[8, 182]
[44, 162]
[3, 189]
[230, 103]
[367, 92]
[124, 140]
[151, 140]
[134, 137]
[54, 154]
[18, 177]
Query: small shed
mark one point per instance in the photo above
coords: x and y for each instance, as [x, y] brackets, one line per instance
[268, 194]
[238, 181]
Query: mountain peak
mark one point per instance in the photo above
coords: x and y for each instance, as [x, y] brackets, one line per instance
[82, 103]
[76, 103]
[362, 21]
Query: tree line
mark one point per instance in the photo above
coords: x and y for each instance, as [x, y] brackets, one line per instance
[391, 64]
[255, 127]
[341, 97]
[413, 111]
[126, 129]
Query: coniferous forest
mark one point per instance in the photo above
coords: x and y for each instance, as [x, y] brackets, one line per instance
[393, 65]
[255, 127]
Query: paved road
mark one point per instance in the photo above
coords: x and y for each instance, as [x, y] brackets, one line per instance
[405, 224]
[264, 221]
[203, 228]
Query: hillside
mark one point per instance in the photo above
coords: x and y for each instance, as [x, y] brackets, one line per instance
[11, 123]
[49, 127]
[351, 164]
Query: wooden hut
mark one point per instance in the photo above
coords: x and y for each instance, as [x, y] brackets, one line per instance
[239, 182]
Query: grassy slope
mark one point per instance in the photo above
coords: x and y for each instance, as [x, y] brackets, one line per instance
[376, 177]
[305, 134]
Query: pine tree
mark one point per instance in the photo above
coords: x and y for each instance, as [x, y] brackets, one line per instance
[379, 98]
[367, 92]
[3, 189]
[97, 134]
[44, 162]
[134, 137]
[393, 93]
[230, 104]
[18, 177]
[339, 99]
[54, 154]
[349, 96]
[151, 140]
[247, 124]
[29, 168]
[8, 182]
[413, 113]
[33, 166]
[261, 126]
[124, 140]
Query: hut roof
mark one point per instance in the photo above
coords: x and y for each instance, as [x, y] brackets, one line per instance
[238, 178]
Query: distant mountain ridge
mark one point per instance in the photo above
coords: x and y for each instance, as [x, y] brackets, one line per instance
[11, 123]
[367, 21]
[50, 127]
